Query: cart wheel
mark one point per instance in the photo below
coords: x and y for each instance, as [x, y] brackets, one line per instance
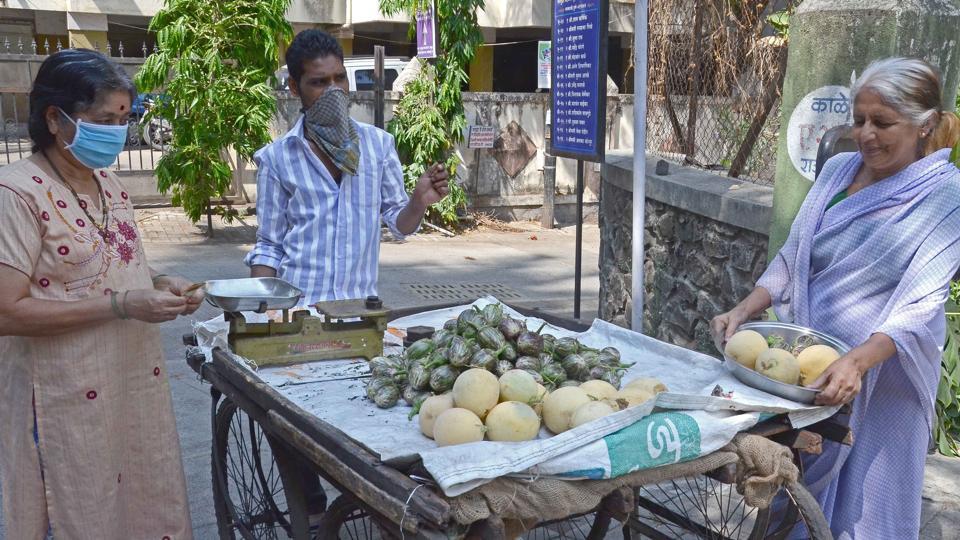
[593, 526]
[703, 507]
[346, 518]
[258, 489]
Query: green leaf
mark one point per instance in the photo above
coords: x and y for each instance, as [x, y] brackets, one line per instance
[214, 106]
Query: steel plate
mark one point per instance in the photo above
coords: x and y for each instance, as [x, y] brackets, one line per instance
[252, 294]
[790, 332]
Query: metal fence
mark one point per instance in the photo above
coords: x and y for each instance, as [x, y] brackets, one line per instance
[112, 48]
[146, 141]
[716, 72]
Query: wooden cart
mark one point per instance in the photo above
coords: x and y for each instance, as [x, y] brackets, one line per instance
[269, 455]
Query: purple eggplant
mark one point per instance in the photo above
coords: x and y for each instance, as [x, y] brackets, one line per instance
[575, 366]
[493, 314]
[549, 343]
[529, 362]
[420, 348]
[565, 346]
[511, 328]
[612, 351]
[530, 343]
[484, 359]
[459, 352]
[442, 379]
[553, 373]
[490, 337]
[419, 377]
[469, 319]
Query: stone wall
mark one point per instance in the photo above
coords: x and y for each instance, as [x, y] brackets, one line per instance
[705, 241]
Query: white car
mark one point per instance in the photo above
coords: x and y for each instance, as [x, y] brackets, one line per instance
[359, 72]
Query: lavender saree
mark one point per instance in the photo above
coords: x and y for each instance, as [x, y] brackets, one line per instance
[878, 261]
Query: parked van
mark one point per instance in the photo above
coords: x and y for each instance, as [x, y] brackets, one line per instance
[359, 72]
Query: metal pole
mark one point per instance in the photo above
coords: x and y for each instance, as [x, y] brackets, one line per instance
[549, 179]
[639, 158]
[378, 78]
[576, 284]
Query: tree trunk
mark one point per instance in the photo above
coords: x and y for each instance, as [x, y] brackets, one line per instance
[771, 93]
[693, 88]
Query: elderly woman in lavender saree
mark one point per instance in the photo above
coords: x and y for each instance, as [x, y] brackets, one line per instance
[869, 260]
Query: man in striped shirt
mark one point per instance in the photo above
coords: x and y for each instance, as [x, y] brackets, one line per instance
[323, 188]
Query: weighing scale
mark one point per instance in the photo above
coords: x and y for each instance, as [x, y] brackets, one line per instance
[341, 329]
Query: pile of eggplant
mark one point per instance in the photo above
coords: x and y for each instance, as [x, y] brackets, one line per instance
[488, 339]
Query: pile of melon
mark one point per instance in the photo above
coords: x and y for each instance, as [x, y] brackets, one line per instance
[513, 407]
[797, 363]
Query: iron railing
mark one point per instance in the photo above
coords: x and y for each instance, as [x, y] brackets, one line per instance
[146, 142]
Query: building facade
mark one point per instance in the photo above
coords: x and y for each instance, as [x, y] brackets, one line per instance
[511, 30]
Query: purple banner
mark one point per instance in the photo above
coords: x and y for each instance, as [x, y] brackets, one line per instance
[427, 33]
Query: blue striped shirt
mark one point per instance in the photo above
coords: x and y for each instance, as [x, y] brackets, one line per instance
[321, 237]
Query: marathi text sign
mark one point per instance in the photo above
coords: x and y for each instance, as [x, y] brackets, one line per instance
[579, 78]
[818, 111]
[427, 33]
[481, 137]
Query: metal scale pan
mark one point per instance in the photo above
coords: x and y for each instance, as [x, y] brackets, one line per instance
[252, 294]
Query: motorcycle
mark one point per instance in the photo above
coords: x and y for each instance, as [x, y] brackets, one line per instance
[156, 132]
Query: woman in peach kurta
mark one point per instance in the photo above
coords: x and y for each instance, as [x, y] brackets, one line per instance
[88, 443]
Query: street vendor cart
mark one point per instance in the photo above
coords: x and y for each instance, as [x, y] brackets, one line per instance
[280, 471]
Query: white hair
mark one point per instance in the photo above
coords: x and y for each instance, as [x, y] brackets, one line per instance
[910, 86]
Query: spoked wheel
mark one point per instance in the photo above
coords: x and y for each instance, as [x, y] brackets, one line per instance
[704, 507]
[593, 526]
[259, 492]
[157, 135]
[347, 519]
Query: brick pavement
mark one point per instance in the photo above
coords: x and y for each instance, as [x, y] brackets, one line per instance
[172, 226]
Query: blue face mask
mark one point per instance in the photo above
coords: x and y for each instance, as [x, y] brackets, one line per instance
[96, 145]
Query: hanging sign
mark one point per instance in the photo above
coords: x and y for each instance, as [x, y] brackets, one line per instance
[427, 33]
[579, 90]
[543, 64]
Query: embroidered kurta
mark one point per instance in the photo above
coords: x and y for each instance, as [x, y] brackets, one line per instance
[879, 261]
[322, 237]
[107, 461]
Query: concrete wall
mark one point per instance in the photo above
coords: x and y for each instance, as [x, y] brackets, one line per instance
[326, 12]
[520, 120]
[705, 240]
[147, 8]
[366, 11]
[537, 13]
[300, 11]
[18, 71]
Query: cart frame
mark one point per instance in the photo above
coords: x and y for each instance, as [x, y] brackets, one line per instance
[305, 447]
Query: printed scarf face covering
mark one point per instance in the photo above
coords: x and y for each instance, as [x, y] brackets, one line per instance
[327, 123]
